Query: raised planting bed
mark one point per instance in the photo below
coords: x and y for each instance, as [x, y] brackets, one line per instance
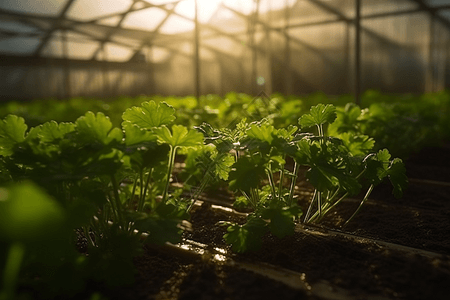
[393, 249]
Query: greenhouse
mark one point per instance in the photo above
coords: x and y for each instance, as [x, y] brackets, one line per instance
[224, 149]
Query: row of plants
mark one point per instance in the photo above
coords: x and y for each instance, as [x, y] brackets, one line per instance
[112, 184]
[417, 120]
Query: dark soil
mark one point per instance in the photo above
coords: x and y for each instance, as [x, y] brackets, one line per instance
[363, 269]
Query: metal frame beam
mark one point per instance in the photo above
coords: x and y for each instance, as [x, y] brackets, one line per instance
[55, 26]
[433, 12]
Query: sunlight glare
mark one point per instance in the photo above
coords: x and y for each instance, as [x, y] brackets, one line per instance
[206, 9]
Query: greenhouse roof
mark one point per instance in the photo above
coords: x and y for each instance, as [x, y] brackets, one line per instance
[124, 30]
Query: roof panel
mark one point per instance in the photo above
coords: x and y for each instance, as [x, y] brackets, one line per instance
[19, 45]
[158, 54]
[117, 53]
[94, 30]
[224, 44]
[206, 55]
[147, 19]
[385, 6]
[48, 7]
[226, 21]
[53, 48]
[306, 12]
[127, 42]
[159, 2]
[437, 2]
[16, 27]
[206, 9]
[89, 10]
[113, 21]
[445, 14]
[78, 46]
[81, 50]
[176, 24]
[245, 7]
[271, 5]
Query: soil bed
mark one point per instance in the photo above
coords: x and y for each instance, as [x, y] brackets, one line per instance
[332, 265]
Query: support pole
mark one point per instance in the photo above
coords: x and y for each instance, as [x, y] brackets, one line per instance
[269, 57]
[431, 62]
[252, 31]
[287, 51]
[105, 73]
[197, 56]
[358, 52]
[347, 64]
[65, 48]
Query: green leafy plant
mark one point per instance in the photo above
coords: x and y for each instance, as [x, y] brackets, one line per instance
[113, 181]
[339, 166]
[259, 151]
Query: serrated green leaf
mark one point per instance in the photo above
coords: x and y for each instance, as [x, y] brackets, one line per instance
[179, 137]
[321, 178]
[241, 202]
[51, 131]
[208, 131]
[12, 131]
[150, 155]
[302, 154]
[150, 115]
[383, 156]
[93, 128]
[135, 135]
[246, 174]
[319, 114]
[398, 177]
[264, 132]
[223, 164]
[281, 221]
[377, 166]
[357, 144]
[287, 133]
[246, 237]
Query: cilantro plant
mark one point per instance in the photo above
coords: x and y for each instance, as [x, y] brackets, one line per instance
[341, 166]
[338, 166]
[259, 152]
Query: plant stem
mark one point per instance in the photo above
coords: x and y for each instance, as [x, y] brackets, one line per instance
[88, 236]
[141, 184]
[280, 184]
[369, 191]
[197, 193]
[130, 202]
[112, 206]
[328, 207]
[271, 182]
[142, 200]
[173, 151]
[319, 203]
[333, 205]
[293, 182]
[12, 268]
[306, 220]
[117, 200]
[255, 197]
